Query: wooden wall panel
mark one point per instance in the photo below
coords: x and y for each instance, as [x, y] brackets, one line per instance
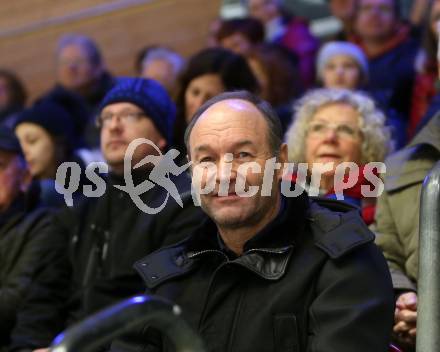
[29, 34]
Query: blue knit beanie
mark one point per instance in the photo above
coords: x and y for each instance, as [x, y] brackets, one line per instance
[148, 95]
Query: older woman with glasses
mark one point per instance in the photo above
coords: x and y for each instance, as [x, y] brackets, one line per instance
[333, 126]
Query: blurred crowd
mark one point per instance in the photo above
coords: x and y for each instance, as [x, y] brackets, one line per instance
[367, 94]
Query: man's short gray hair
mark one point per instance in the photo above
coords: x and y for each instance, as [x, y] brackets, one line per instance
[166, 54]
[274, 129]
[376, 137]
[84, 42]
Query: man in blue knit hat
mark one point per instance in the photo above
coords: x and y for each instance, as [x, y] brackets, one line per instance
[105, 236]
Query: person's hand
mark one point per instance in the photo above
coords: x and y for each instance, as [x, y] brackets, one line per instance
[405, 317]
[41, 350]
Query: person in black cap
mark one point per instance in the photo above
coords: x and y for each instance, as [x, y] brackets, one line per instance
[46, 134]
[48, 138]
[104, 236]
[24, 240]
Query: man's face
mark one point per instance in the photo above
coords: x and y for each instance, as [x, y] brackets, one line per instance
[75, 70]
[121, 124]
[237, 128]
[13, 178]
[376, 19]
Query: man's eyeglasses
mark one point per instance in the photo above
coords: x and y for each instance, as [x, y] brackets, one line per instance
[126, 118]
[321, 129]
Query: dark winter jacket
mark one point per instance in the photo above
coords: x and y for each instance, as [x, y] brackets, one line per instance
[24, 244]
[312, 280]
[103, 238]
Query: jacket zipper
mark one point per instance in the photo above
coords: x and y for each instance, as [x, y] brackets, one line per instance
[234, 323]
[192, 255]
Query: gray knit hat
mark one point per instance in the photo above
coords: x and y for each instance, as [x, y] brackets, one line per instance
[331, 49]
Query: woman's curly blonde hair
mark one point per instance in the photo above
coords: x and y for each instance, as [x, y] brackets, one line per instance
[376, 141]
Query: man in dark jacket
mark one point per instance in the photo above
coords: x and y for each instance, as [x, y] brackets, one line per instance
[266, 272]
[105, 236]
[24, 240]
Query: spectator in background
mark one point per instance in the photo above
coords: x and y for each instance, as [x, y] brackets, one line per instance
[24, 241]
[343, 10]
[12, 96]
[240, 35]
[289, 31]
[209, 73]
[342, 65]
[398, 218]
[162, 64]
[276, 70]
[81, 70]
[391, 54]
[426, 84]
[211, 39]
[47, 137]
[335, 126]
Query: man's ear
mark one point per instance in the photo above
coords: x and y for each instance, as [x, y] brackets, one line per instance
[284, 156]
[283, 159]
[188, 159]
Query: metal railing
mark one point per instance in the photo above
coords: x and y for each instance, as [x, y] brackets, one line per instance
[116, 320]
[428, 315]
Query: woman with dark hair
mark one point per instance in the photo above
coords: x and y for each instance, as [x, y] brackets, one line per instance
[47, 137]
[12, 96]
[208, 73]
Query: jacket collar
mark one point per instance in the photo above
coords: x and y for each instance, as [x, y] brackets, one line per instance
[335, 229]
[266, 254]
[273, 237]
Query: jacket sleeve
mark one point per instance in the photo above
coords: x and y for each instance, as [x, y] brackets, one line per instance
[177, 223]
[29, 246]
[42, 314]
[396, 228]
[354, 305]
